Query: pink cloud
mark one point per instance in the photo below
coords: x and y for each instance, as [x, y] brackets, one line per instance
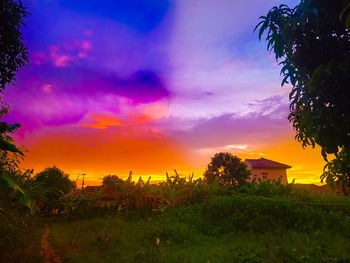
[86, 45]
[59, 59]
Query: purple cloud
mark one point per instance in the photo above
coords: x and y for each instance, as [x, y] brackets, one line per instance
[48, 95]
[266, 123]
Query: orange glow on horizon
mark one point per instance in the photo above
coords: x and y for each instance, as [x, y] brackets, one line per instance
[99, 154]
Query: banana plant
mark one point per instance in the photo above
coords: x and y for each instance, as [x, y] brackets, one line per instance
[22, 197]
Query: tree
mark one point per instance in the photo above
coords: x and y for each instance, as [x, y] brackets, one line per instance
[54, 184]
[13, 56]
[54, 177]
[337, 171]
[227, 169]
[111, 180]
[6, 142]
[313, 43]
[13, 53]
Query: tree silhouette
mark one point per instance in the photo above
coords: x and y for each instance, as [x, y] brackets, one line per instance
[313, 43]
[337, 171]
[227, 169]
[6, 142]
[111, 180]
[53, 184]
[56, 178]
[13, 55]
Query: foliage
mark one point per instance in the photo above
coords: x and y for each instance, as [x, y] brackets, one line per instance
[6, 142]
[345, 16]
[337, 171]
[314, 46]
[233, 228]
[19, 236]
[22, 197]
[54, 184]
[267, 187]
[178, 191]
[149, 253]
[54, 177]
[17, 212]
[227, 170]
[13, 53]
[111, 180]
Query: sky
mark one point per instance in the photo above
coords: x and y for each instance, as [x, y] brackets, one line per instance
[150, 86]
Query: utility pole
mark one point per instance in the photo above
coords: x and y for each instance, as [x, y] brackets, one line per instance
[82, 184]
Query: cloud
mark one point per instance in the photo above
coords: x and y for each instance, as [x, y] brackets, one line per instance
[266, 122]
[64, 95]
[135, 116]
[102, 121]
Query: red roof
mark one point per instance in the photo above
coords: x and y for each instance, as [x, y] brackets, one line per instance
[265, 163]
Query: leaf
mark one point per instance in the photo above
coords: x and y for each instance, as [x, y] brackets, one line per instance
[258, 25]
[22, 197]
[262, 28]
[347, 22]
[285, 80]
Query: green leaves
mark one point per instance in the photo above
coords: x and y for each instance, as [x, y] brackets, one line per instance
[227, 170]
[13, 53]
[337, 172]
[314, 46]
[6, 142]
[21, 196]
[345, 16]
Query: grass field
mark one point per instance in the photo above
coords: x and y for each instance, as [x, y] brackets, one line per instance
[224, 229]
[199, 222]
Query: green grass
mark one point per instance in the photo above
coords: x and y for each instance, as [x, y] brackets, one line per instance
[265, 222]
[235, 228]
[20, 238]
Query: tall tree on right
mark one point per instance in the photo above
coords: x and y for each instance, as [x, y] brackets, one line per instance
[312, 44]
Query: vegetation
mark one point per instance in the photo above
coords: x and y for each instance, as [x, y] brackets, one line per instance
[13, 55]
[223, 218]
[319, 96]
[228, 228]
[227, 170]
[180, 219]
[338, 171]
[54, 184]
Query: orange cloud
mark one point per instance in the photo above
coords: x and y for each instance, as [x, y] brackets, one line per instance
[141, 116]
[103, 121]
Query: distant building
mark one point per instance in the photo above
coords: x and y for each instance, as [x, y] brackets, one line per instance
[266, 169]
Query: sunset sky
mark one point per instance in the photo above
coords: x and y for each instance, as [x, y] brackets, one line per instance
[149, 86]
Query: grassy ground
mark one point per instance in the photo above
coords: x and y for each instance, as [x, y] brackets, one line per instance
[225, 229]
[20, 240]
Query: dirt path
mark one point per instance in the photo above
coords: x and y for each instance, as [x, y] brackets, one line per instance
[48, 251]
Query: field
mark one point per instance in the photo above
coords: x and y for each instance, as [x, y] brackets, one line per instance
[225, 229]
[177, 220]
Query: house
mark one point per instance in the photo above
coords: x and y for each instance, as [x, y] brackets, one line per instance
[266, 169]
